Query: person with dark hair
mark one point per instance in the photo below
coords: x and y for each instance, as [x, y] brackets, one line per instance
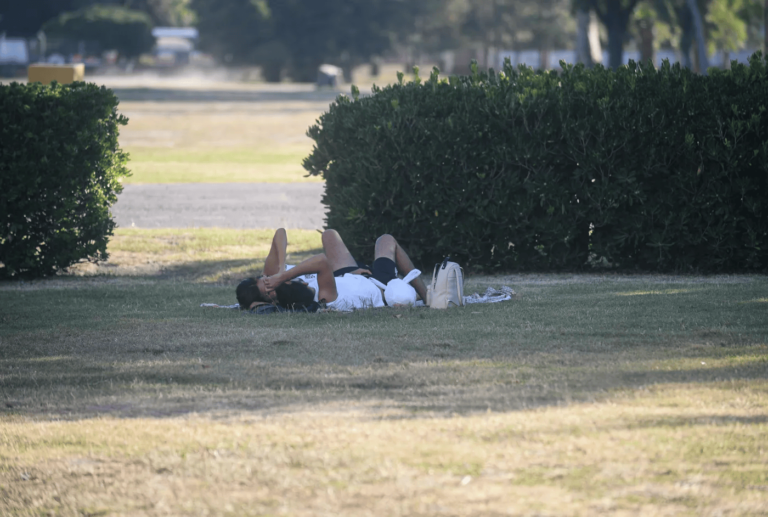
[333, 277]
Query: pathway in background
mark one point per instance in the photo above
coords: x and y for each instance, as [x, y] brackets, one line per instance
[209, 152]
[225, 205]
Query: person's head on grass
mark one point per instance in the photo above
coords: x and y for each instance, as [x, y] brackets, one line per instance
[252, 292]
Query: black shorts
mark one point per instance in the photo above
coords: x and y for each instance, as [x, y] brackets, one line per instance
[344, 270]
[384, 270]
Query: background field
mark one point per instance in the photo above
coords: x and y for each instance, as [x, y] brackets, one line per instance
[217, 141]
[190, 130]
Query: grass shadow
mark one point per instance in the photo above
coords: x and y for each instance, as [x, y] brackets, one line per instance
[146, 343]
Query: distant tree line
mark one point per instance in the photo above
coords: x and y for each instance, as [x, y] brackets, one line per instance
[292, 37]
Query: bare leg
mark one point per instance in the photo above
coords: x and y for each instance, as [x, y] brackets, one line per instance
[275, 262]
[336, 251]
[387, 246]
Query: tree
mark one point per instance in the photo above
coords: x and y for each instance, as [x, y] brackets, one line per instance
[698, 26]
[24, 19]
[237, 31]
[173, 13]
[645, 23]
[341, 32]
[726, 30]
[129, 32]
[588, 49]
[615, 16]
[299, 35]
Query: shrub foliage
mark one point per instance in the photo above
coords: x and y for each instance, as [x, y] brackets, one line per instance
[637, 168]
[60, 166]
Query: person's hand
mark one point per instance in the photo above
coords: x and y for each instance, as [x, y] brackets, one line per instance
[274, 281]
[361, 271]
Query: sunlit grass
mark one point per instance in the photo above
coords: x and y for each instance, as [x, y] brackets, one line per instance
[174, 141]
[198, 254]
[665, 291]
[174, 242]
[676, 449]
[217, 165]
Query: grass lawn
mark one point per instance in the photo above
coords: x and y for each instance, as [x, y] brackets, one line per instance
[586, 394]
[150, 165]
[216, 142]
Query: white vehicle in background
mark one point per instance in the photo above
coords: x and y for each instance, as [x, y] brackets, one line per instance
[14, 56]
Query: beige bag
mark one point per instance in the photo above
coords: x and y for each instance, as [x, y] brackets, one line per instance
[447, 287]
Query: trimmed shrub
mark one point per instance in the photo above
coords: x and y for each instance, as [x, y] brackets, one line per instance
[60, 167]
[637, 168]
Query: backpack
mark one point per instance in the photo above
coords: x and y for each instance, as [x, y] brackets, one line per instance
[447, 287]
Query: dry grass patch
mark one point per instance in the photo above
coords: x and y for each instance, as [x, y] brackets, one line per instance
[673, 450]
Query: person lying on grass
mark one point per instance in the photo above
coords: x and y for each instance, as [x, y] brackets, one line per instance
[340, 281]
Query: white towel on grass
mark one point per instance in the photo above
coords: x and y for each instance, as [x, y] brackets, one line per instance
[491, 295]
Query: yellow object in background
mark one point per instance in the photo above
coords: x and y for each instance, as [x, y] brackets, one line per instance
[62, 74]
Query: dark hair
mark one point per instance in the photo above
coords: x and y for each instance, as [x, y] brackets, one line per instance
[294, 295]
[248, 292]
[291, 295]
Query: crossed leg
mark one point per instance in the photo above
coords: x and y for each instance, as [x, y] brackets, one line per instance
[388, 247]
[275, 261]
[336, 251]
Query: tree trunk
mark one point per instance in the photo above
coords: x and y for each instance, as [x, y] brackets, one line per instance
[616, 31]
[686, 41]
[583, 54]
[346, 72]
[646, 41]
[686, 38]
[271, 71]
[594, 39]
[544, 59]
[700, 43]
[304, 70]
[765, 28]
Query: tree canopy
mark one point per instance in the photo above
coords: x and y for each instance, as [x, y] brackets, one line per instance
[300, 33]
[127, 31]
[294, 36]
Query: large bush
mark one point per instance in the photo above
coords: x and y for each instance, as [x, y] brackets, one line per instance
[114, 27]
[637, 168]
[60, 166]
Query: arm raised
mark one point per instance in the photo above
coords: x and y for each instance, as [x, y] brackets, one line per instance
[318, 265]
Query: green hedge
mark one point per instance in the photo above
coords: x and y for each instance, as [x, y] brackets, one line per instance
[60, 165]
[637, 168]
